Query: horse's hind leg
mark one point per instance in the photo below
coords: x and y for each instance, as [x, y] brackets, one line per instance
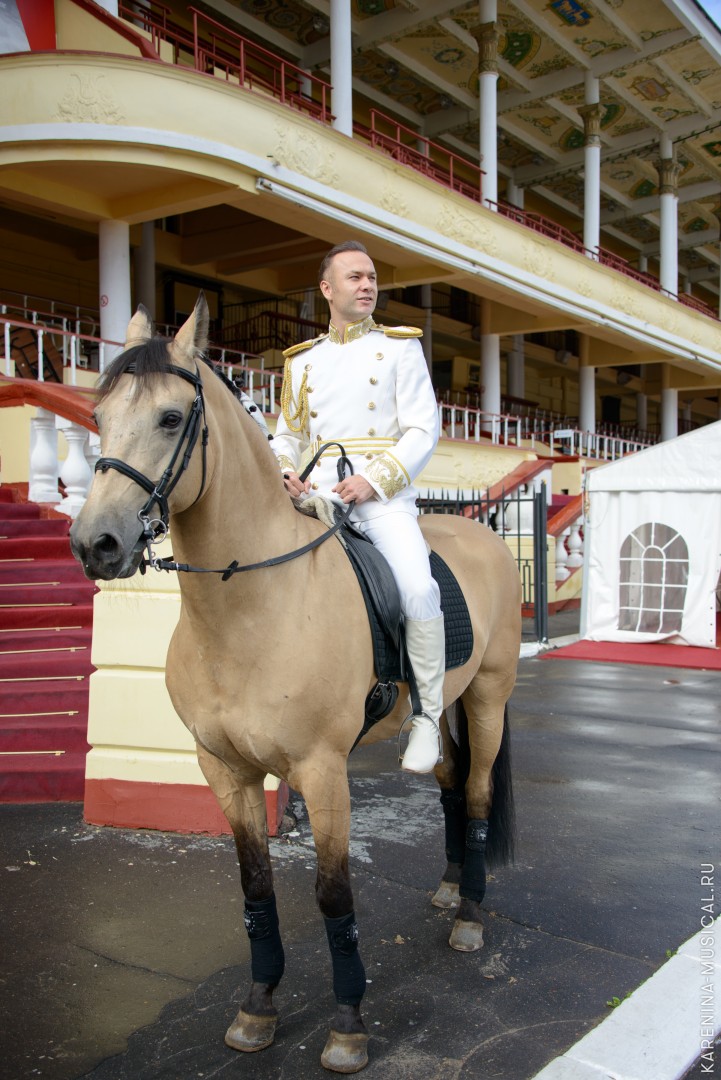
[451, 776]
[324, 785]
[489, 806]
[242, 800]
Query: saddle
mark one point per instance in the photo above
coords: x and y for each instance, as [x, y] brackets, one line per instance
[382, 601]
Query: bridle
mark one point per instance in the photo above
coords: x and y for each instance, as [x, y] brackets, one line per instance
[155, 529]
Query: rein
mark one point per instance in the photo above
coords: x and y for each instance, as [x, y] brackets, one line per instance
[156, 529]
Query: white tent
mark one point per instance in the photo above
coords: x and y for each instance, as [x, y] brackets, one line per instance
[652, 540]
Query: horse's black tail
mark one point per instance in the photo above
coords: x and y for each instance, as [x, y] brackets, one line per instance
[501, 843]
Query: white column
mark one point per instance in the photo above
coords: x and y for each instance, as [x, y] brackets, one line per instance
[114, 258]
[516, 365]
[586, 388]
[487, 38]
[591, 113]
[341, 71]
[641, 411]
[144, 259]
[491, 373]
[516, 380]
[643, 263]
[668, 170]
[427, 339]
[109, 5]
[669, 414]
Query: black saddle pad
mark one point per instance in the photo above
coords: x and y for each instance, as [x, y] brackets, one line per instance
[383, 604]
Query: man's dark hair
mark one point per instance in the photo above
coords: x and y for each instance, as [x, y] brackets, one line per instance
[347, 245]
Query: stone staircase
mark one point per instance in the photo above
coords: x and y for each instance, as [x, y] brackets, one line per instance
[46, 611]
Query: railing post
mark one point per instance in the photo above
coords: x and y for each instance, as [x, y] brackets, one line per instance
[43, 486]
[41, 373]
[540, 573]
[9, 363]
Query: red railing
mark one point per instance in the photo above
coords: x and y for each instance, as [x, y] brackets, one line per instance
[430, 159]
[698, 305]
[218, 48]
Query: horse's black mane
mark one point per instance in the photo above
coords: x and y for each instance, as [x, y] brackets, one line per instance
[146, 361]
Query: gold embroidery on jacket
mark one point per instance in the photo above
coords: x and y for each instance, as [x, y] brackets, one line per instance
[386, 472]
[285, 463]
[298, 413]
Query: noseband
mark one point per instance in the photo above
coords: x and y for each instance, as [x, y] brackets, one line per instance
[156, 529]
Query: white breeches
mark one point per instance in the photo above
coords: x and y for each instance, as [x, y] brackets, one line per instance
[398, 537]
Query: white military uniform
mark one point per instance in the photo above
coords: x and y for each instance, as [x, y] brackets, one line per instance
[372, 393]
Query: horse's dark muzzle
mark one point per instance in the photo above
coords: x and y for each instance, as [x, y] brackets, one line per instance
[104, 557]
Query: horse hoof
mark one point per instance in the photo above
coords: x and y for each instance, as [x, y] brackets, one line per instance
[250, 1033]
[345, 1053]
[447, 896]
[466, 936]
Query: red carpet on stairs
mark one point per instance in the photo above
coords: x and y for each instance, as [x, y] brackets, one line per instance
[46, 613]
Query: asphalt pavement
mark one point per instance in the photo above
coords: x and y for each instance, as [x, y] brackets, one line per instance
[124, 956]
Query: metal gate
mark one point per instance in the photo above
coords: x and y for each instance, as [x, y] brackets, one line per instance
[516, 518]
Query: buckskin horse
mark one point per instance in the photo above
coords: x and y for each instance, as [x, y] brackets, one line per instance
[283, 692]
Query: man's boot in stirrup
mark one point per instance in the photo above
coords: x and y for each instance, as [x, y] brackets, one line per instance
[426, 645]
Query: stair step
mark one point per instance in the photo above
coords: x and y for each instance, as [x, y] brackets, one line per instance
[25, 571]
[35, 618]
[40, 595]
[32, 527]
[37, 697]
[52, 664]
[35, 547]
[59, 731]
[52, 638]
[16, 511]
[34, 777]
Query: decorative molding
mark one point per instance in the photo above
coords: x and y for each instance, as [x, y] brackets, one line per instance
[592, 116]
[669, 171]
[467, 230]
[392, 201]
[86, 101]
[302, 152]
[487, 37]
[538, 259]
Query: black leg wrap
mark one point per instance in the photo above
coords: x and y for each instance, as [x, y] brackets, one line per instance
[266, 949]
[349, 976]
[454, 817]
[473, 874]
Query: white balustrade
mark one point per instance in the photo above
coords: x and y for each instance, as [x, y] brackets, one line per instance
[76, 474]
[562, 571]
[574, 544]
[43, 486]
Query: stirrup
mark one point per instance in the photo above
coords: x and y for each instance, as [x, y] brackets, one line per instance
[409, 720]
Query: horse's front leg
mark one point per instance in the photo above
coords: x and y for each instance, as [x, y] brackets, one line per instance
[242, 799]
[324, 785]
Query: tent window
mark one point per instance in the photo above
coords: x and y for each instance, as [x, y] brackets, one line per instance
[653, 580]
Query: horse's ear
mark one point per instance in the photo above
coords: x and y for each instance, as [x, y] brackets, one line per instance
[192, 337]
[140, 327]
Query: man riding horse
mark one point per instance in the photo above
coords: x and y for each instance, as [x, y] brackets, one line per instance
[367, 387]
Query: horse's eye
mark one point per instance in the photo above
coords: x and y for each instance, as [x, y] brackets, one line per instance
[171, 420]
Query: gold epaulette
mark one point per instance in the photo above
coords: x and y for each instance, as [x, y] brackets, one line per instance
[400, 331]
[302, 345]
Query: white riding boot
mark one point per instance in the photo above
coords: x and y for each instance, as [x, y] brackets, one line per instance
[426, 644]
